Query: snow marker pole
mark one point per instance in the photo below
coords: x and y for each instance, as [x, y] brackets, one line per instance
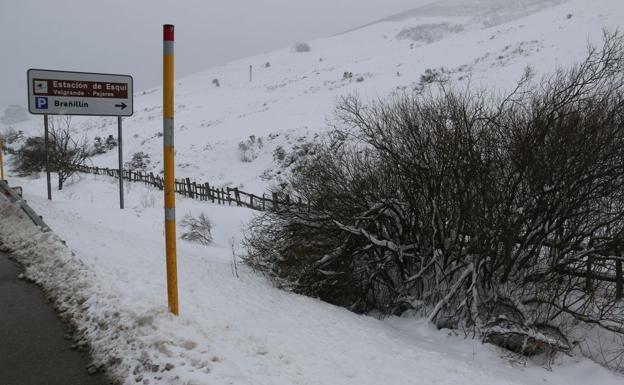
[169, 178]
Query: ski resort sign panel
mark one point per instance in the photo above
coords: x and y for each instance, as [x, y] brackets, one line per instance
[79, 93]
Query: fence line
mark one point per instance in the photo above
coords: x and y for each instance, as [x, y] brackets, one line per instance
[202, 191]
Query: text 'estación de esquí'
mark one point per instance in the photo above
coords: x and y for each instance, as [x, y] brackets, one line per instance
[80, 88]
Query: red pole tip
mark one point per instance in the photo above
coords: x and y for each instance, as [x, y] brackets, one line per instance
[168, 32]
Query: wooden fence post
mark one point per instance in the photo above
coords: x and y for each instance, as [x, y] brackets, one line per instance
[263, 202]
[237, 197]
[209, 192]
[188, 185]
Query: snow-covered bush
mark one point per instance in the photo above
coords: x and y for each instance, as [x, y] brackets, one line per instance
[111, 142]
[472, 211]
[429, 33]
[250, 148]
[301, 47]
[30, 157]
[101, 146]
[139, 162]
[433, 76]
[196, 229]
[279, 154]
[299, 153]
[98, 146]
[11, 135]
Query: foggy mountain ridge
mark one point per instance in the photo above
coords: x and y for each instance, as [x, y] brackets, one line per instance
[488, 13]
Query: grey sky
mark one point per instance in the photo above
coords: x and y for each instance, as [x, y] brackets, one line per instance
[124, 36]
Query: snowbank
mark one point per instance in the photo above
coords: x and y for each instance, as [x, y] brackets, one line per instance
[110, 282]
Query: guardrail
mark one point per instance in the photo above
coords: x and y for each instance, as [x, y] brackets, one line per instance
[16, 198]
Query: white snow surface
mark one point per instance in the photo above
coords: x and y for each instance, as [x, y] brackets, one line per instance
[110, 277]
[110, 280]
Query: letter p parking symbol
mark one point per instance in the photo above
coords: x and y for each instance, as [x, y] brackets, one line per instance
[41, 103]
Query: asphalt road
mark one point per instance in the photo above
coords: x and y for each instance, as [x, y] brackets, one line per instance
[33, 350]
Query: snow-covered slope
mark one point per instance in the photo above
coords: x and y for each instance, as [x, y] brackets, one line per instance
[236, 330]
[292, 95]
[242, 330]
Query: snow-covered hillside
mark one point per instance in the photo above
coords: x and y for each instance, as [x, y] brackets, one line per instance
[292, 95]
[110, 278]
[231, 330]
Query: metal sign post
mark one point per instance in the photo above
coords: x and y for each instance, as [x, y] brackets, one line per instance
[120, 147]
[80, 93]
[47, 155]
[1, 159]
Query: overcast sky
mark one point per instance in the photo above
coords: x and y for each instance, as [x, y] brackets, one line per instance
[125, 36]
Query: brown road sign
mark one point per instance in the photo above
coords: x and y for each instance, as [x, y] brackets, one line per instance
[79, 93]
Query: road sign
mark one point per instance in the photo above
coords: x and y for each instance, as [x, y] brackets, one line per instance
[79, 93]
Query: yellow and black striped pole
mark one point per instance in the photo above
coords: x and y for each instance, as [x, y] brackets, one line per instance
[169, 182]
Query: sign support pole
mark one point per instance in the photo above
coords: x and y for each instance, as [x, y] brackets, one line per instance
[120, 147]
[47, 155]
[169, 177]
[1, 159]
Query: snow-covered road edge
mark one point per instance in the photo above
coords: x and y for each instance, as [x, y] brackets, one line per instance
[79, 299]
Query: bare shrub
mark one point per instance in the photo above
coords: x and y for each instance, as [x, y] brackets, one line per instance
[301, 47]
[433, 76]
[471, 210]
[196, 229]
[66, 152]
